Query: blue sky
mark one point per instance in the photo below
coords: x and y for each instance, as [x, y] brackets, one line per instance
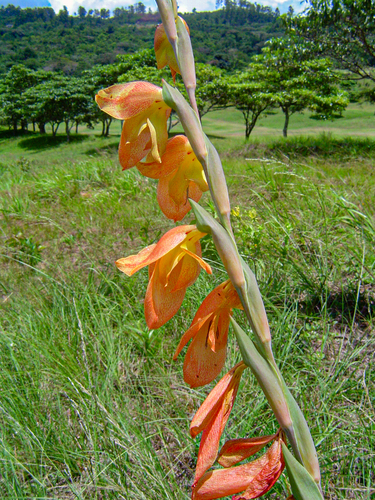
[184, 5]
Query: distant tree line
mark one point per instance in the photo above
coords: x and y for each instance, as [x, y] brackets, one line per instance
[71, 43]
[282, 76]
[44, 97]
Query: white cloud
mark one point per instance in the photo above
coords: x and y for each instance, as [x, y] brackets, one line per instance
[189, 5]
[72, 5]
[184, 5]
[283, 5]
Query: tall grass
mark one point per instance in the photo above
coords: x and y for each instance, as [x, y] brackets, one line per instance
[91, 405]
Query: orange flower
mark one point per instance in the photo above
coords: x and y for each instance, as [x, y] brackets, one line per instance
[164, 51]
[181, 177]
[174, 264]
[212, 417]
[145, 114]
[256, 477]
[206, 354]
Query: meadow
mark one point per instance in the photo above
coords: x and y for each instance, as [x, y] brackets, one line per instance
[91, 404]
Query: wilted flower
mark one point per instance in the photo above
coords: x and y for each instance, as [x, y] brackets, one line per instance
[181, 177]
[174, 264]
[206, 354]
[145, 114]
[212, 417]
[256, 477]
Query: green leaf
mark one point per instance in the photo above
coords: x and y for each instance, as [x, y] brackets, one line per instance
[304, 440]
[303, 485]
[265, 376]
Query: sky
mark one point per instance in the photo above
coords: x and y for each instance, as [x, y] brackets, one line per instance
[184, 5]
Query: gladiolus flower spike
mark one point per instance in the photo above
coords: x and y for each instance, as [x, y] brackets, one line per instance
[174, 264]
[186, 167]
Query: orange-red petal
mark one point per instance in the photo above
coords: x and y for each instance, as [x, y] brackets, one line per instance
[164, 52]
[215, 398]
[209, 445]
[236, 450]
[173, 266]
[161, 302]
[191, 266]
[175, 153]
[132, 264]
[169, 207]
[126, 100]
[256, 477]
[202, 364]
[170, 240]
[209, 330]
[130, 153]
[189, 334]
[145, 115]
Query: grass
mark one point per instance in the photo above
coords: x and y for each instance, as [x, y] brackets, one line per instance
[91, 405]
[357, 120]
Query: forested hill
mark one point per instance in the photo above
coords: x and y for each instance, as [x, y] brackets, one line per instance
[39, 38]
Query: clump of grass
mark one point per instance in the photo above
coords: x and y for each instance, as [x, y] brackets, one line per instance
[323, 146]
[318, 239]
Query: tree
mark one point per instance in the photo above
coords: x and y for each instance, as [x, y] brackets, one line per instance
[63, 15]
[251, 96]
[82, 12]
[12, 89]
[341, 29]
[297, 81]
[105, 13]
[212, 88]
[60, 100]
[140, 8]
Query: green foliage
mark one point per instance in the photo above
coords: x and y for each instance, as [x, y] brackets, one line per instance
[286, 76]
[25, 250]
[252, 96]
[12, 94]
[59, 100]
[212, 88]
[38, 38]
[341, 29]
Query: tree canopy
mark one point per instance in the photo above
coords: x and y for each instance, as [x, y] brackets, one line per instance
[39, 38]
[287, 76]
[341, 29]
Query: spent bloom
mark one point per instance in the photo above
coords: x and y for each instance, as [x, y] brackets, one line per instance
[206, 354]
[180, 177]
[212, 417]
[254, 478]
[174, 264]
[144, 133]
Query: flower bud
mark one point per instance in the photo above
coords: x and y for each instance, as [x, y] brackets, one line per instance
[168, 13]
